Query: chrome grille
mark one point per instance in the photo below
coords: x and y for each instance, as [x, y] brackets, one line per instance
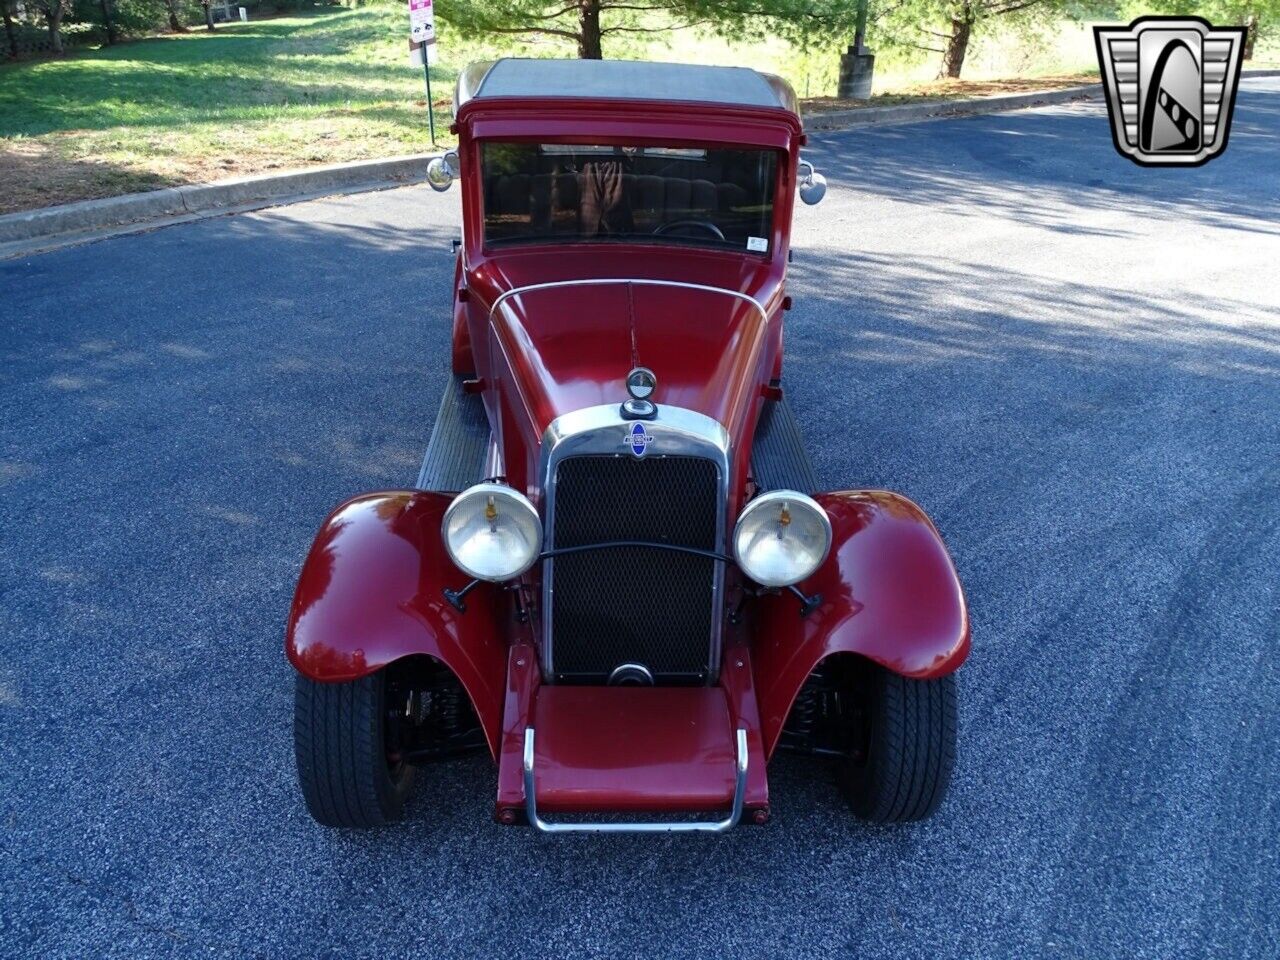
[634, 604]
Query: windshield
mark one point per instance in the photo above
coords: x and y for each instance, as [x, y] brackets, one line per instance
[705, 197]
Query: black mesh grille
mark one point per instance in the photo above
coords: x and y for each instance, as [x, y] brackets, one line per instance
[633, 604]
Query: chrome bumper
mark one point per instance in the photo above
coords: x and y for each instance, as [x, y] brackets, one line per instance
[695, 826]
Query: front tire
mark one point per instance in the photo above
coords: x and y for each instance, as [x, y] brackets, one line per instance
[340, 741]
[904, 746]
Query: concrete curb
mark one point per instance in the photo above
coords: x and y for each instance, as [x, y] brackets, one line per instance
[842, 119]
[89, 215]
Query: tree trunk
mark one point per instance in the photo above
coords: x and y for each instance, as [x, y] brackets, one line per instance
[54, 16]
[1250, 35]
[108, 22]
[8, 29]
[174, 23]
[957, 44]
[208, 16]
[589, 47]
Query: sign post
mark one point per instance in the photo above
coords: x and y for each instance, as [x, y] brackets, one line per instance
[422, 48]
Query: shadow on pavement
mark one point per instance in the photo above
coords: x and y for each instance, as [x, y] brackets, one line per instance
[1036, 167]
[194, 405]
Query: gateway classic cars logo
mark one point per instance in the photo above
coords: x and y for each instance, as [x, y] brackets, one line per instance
[1171, 87]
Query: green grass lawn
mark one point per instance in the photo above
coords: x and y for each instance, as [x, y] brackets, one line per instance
[280, 93]
[249, 97]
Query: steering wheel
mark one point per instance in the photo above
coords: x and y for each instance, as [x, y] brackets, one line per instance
[706, 225]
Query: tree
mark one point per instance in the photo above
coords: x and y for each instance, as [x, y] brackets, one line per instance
[915, 23]
[1260, 16]
[108, 22]
[208, 14]
[6, 7]
[588, 23]
[175, 24]
[53, 12]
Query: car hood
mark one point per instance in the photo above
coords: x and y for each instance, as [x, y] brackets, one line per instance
[569, 343]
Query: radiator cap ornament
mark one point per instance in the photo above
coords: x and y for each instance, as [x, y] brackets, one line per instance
[640, 384]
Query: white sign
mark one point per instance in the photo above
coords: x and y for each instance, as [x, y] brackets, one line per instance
[422, 21]
[415, 52]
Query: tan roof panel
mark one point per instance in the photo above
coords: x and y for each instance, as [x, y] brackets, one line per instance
[623, 80]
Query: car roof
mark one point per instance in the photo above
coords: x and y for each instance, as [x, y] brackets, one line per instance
[623, 80]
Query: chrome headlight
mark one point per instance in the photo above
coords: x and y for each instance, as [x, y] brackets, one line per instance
[492, 532]
[782, 537]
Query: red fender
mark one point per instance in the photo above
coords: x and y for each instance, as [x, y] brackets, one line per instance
[889, 593]
[370, 593]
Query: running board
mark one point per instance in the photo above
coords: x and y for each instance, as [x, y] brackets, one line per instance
[778, 457]
[459, 442]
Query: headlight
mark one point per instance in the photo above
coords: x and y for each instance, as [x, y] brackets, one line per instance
[492, 532]
[782, 537]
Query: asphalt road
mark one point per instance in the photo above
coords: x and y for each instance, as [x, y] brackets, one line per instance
[1070, 361]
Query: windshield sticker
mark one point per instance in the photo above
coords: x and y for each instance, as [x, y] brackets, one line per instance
[757, 244]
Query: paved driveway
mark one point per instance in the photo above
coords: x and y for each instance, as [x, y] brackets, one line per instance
[1071, 362]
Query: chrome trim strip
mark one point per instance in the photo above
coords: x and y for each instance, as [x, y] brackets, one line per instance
[599, 430]
[601, 281]
[493, 465]
[695, 826]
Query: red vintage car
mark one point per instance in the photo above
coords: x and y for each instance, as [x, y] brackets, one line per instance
[616, 572]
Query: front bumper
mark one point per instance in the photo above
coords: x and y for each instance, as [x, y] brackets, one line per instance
[651, 759]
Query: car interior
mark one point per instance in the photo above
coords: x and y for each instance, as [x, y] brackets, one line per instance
[704, 196]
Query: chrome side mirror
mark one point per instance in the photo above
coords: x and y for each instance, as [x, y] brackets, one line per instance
[813, 185]
[442, 171]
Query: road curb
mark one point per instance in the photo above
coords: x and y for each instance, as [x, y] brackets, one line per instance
[934, 109]
[207, 198]
[842, 119]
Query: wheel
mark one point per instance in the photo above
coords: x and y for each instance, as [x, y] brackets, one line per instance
[903, 746]
[341, 742]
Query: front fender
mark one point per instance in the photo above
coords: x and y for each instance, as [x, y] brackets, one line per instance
[889, 593]
[370, 593]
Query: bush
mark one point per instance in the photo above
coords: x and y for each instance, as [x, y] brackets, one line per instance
[131, 17]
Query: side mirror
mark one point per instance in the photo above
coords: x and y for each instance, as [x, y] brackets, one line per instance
[813, 185]
[442, 171]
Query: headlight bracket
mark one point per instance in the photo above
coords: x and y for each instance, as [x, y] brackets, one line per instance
[808, 603]
[458, 598]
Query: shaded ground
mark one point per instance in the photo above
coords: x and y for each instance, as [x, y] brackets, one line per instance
[1069, 361]
[272, 94]
[944, 90]
[62, 166]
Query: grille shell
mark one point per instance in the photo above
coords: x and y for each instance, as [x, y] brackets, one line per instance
[634, 604]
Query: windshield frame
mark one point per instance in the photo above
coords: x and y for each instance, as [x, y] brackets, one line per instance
[638, 241]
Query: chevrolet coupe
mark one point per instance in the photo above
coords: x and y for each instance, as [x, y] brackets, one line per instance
[617, 574]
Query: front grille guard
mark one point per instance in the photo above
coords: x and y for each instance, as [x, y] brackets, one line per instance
[599, 431]
[458, 597]
[808, 602]
[730, 821]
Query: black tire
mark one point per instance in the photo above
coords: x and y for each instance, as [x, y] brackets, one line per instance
[904, 746]
[340, 741]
